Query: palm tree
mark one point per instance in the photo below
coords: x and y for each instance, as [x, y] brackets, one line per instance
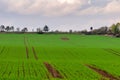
[46, 29]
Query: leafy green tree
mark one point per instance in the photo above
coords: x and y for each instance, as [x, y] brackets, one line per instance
[118, 27]
[114, 29]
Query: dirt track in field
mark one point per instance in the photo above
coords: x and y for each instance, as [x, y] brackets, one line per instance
[3, 49]
[103, 73]
[18, 72]
[113, 51]
[25, 42]
[23, 69]
[53, 71]
[35, 55]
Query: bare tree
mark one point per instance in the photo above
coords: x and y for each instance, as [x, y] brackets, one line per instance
[2, 28]
[18, 29]
[7, 28]
[46, 28]
[12, 28]
[25, 30]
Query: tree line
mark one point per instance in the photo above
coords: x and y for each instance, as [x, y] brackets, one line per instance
[113, 30]
[4, 28]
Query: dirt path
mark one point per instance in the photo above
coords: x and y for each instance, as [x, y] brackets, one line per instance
[102, 72]
[53, 71]
[35, 55]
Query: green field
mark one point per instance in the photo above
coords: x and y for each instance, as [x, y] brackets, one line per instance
[23, 56]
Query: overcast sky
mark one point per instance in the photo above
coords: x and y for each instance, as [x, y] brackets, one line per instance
[59, 14]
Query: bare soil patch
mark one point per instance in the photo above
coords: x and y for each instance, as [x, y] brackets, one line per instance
[65, 38]
[102, 72]
[53, 71]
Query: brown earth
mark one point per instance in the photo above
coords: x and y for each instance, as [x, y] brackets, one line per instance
[103, 73]
[65, 38]
[53, 71]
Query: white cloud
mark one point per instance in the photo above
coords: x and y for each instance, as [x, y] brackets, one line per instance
[113, 7]
[90, 11]
[89, 2]
[44, 7]
[59, 7]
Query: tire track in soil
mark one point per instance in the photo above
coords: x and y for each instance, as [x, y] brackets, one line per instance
[5, 70]
[103, 73]
[3, 49]
[23, 69]
[18, 72]
[25, 42]
[35, 72]
[10, 71]
[35, 55]
[113, 51]
[53, 71]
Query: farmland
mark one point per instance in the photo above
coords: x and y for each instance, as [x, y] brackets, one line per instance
[59, 57]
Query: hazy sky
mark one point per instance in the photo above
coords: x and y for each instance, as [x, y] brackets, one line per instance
[59, 14]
